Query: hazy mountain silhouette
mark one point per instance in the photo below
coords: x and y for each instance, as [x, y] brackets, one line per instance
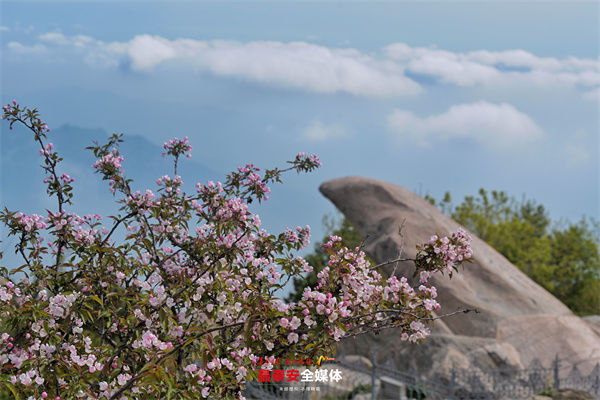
[21, 177]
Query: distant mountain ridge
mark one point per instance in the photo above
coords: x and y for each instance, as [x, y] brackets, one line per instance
[21, 177]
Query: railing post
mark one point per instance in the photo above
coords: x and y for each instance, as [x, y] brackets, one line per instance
[373, 376]
[556, 372]
[452, 382]
[597, 383]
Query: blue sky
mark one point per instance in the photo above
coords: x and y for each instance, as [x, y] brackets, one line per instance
[433, 96]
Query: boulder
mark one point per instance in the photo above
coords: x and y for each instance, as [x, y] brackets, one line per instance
[518, 320]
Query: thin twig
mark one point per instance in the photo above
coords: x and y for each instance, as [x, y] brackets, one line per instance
[392, 261]
[21, 251]
[401, 245]
[364, 241]
[116, 224]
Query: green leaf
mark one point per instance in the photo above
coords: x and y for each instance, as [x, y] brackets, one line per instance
[97, 299]
[13, 390]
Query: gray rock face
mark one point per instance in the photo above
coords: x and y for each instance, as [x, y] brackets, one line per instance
[515, 313]
[542, 336]
[593, 322]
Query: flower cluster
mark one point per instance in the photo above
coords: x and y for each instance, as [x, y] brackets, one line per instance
[13, 113]
[185, 299]
[306, 162]
[111, 161]
[109, 165]
[298, 235]
[141, 201]
[8, 109]
[47, 149]
[177, 147]
[30, 222]
[444, 254]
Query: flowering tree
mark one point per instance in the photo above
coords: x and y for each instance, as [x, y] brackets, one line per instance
[184, 302]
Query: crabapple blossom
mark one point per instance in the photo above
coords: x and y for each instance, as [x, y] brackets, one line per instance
[177, 292]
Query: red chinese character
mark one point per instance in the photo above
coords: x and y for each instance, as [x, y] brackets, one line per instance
[261, 361]
[277, 361]
[278, 375]
[264, 375]
[292, 375]
[288, 361]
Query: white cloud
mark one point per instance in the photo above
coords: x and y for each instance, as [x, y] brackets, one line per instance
[484, 67]
[318, 131]
[321, 69]
[492, 125]
[55, 38]
[298, 65]
[21, 49]
[77, 41]
[4, 28]
[146, 52]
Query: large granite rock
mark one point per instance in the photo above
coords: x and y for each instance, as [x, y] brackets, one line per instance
[514, 312]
